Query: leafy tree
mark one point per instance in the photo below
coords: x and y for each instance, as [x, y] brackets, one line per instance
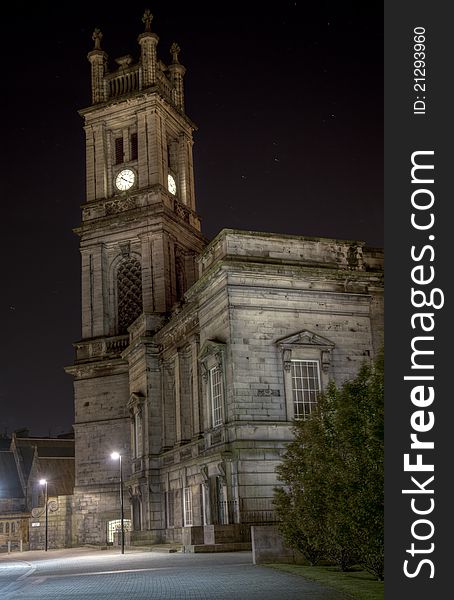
[331, 503]
[361, 419]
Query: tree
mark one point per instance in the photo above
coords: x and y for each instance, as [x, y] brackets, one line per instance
[332, 500]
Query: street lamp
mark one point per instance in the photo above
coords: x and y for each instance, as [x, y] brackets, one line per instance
[44, 482]
[117, 456]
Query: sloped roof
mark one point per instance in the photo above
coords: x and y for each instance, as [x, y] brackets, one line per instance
[53, 451]
[45, 447]
[10, 486]
[25, 454]
[45, 442]
[5, 443]
[59, 473]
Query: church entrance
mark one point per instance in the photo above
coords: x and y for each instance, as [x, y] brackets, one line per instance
[114, 527]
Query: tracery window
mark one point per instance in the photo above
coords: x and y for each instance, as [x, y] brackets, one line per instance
[119, 153]
[134, 146]
[129, 292]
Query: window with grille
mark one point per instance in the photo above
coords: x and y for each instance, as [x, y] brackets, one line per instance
[305, 386]
[119, 152]
[216, 395]
[134, 147]
[129, 293]
[187, 505]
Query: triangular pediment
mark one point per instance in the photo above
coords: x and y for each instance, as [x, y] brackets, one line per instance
[305, 338]
[210, 348]
[135, 399]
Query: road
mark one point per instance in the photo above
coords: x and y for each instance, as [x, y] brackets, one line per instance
[87, 574]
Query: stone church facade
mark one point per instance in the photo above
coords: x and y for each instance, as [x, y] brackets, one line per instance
[195, 358]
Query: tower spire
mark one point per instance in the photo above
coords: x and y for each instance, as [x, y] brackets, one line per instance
[148, 42]
[177, 72]
[98, 60]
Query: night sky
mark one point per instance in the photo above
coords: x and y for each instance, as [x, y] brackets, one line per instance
[289, 105]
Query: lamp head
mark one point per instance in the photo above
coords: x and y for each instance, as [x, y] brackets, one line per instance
[42, 481]
[115, 455]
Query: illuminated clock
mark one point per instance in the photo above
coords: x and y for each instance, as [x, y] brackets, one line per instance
[171, 185]
[125, 180]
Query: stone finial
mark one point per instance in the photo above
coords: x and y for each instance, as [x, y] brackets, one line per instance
[174, 51]
[97, 37]
[147, 19]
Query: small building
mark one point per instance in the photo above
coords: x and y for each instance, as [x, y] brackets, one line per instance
[14, 514]
[24, 461]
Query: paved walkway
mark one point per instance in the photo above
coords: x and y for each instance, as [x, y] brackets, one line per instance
[82, 574]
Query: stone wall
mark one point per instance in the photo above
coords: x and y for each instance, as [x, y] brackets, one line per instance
[59, 521]
[268, 547]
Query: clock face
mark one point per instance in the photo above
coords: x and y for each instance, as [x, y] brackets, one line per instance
[125, 180]
[171, 185]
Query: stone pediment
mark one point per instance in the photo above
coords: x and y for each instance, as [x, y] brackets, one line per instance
[211, 355]
[136, 399]
[210, 348]
[305, 338]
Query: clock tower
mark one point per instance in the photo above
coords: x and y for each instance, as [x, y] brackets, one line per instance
[139, 238]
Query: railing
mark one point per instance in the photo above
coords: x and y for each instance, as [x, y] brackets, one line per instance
[93, 349]
[225, 511]
[124, 83]
[165, 86]
[117, 344]
[127, 80]
[256, 511]
[252, 511]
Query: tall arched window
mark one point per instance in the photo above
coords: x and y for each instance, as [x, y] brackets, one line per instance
[179, 273]
[129, 292]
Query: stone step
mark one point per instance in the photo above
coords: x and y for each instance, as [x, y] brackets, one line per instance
[227, 547]
[163, 548]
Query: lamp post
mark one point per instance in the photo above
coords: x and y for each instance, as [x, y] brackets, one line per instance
[117, 456]
[44, 483]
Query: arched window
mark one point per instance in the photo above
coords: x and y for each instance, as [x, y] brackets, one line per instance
[7, 528]
[1, 527]
[179, 273]
[129, 292]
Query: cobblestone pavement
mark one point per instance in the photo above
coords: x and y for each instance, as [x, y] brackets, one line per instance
[107, 575]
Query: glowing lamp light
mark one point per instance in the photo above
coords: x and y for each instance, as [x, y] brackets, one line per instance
[117, 456]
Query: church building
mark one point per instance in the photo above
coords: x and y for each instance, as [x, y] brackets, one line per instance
[195, 357]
